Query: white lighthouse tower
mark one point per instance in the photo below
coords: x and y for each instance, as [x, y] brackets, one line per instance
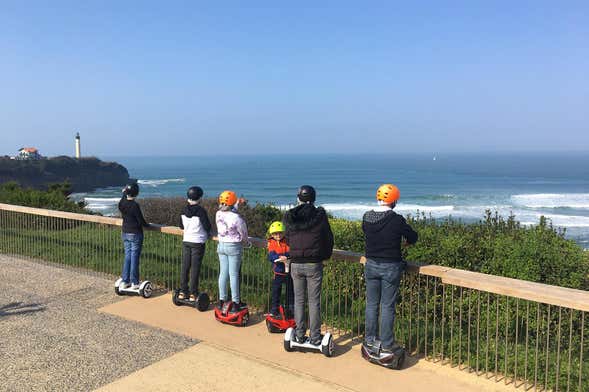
[78, 153]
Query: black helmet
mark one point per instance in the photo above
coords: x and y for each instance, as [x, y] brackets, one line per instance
[194, 193]
[131, 189]
[306, 194]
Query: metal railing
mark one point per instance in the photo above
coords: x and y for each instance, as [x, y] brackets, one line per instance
[526, 334]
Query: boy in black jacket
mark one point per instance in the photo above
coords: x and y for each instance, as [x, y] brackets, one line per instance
[133, 223]
[197, 229]
[311, 242]
[384, 230]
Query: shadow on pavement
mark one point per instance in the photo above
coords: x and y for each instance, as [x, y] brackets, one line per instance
[16, 308]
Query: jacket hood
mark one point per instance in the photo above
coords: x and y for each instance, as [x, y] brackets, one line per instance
[304, 217]
[378, 219]
[191, 210]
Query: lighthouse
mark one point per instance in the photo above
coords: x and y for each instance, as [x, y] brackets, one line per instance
[78, 153]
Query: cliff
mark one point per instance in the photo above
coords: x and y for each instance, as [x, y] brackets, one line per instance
[84, 174]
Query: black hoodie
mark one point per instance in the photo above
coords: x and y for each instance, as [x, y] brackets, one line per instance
[384, 231]
[309, 234]
[133, 220]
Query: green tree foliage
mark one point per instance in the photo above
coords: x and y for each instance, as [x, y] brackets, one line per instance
[54, 198]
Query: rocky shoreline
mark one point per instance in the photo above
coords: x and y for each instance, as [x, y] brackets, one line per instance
[84, 175]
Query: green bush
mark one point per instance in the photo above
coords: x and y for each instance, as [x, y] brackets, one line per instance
[54, 198]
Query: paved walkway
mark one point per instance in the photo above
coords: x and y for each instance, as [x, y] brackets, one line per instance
[52, 338]
[234, 358]
[55, 338]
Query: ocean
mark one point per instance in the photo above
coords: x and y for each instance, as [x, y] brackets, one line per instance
[463, 186]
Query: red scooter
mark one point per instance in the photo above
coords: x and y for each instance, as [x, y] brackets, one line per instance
[285, 319]
[227, 315]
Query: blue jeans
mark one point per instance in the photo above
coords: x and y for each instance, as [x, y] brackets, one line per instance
[132, 243]
[382, 288]
[230, 265]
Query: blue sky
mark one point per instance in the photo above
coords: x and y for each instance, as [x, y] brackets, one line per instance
[189, 78]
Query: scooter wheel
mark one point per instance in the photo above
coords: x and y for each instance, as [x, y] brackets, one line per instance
[203, 302]
[117, 292]
[271, 327]
[147, 291]
[327, 350]
[287, 338]
[245, 319]
[175, 300]
[400, 362]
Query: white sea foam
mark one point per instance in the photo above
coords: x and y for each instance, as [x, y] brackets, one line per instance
[552, 200]
[101, 200]
[355, 211]
[158, 182]
[476, 212]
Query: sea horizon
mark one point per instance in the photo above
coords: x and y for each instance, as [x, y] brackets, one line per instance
[462, 186]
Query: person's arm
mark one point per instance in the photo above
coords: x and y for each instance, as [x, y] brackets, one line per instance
[407, 232]
[242, 229]
[181, 224]
[329, 237]
[139, 215]
[272, 256]
[204, 220]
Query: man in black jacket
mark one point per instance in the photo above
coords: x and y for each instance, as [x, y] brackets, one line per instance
[311, 241]
[384, 231]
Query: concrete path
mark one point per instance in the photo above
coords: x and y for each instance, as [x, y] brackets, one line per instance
[233, 358]
[52, 338]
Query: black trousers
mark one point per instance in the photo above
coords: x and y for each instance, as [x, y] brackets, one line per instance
[277, 283]
[192, 255]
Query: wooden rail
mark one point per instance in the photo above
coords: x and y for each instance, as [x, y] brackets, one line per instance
[538, 292]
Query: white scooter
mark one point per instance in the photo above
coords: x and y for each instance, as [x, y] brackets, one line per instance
[145, 289]
[326, 345]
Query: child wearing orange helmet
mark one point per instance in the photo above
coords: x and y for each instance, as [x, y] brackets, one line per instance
[384, 231]
[232, 235]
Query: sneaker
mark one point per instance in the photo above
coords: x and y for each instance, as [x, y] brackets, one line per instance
[192, 298]
[300, 339]
[235, 307]
[181, 295]
[316, 341]
[220, 304]
[124, 285]
[135, 286]
[390, 350]
[276, 316]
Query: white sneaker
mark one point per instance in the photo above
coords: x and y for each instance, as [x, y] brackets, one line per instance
[135, 287]
[124, 285]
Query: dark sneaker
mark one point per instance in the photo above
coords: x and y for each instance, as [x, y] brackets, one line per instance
[316, 341]
[300, 339]
[276, 315]
[220, 304]
[235, 307]
[390, 350]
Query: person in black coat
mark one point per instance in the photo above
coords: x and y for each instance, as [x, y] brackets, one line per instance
[311, 242]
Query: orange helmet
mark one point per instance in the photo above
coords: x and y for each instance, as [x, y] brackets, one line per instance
[228, 198]
[388, 193]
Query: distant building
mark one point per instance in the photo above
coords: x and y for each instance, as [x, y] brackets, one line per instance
[30, 153]
[78, 147]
